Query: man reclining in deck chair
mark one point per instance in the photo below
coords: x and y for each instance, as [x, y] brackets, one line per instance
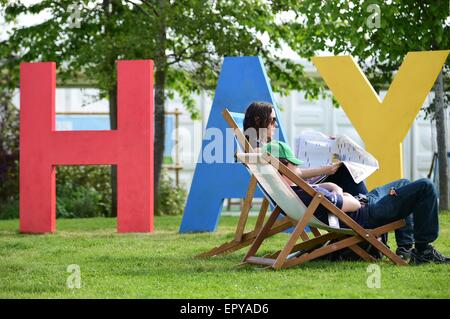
[416, 201]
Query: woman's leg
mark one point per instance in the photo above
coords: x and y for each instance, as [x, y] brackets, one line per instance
[343, 178]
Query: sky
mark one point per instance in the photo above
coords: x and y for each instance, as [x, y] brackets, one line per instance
[24, 20]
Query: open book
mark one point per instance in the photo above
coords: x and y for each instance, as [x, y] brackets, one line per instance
[317, 149]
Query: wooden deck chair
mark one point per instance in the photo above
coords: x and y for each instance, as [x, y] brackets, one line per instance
[265, 168]
[242, 238]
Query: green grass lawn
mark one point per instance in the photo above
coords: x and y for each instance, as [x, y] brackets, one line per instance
[162, 265]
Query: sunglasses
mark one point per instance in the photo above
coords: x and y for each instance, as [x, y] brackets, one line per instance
[273, 121]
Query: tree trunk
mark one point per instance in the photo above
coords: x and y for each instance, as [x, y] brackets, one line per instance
[159, 126]
[160, 82]
[110, 61]
[441, 134]
[3, 153]
[113, 125]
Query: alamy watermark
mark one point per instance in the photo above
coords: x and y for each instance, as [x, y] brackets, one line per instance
[74, 279]
[374, 20]
[218, 145]
[74, 19]
[374, 278]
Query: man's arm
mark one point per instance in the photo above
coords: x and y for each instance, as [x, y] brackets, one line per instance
[332, 187]
[349, 203]
[318, 171]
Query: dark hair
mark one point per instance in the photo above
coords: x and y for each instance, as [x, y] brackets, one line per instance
[257, 116]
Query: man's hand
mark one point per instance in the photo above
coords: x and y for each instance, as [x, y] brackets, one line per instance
[331, 169]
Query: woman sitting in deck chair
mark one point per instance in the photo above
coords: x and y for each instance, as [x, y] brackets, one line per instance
[416, 201]
[260, 124]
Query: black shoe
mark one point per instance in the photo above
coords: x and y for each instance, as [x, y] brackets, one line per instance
[404, 253]
[429, 255]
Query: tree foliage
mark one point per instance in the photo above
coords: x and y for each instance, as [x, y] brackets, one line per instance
[347, 27]
[379, 34]
[187, 39]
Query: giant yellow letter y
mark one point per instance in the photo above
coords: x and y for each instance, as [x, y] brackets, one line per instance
[382, 124]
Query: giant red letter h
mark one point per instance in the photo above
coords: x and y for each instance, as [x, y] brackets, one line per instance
[130, 147]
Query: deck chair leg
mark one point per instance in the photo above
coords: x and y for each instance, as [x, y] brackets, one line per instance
[315, 231]
[310, 244]
[263, 233]
[390, 254]
[245, 209]
[279, 226]
[261, 215]
[365, 234]
[344, 243]
[362, 253]
[302, 223]
[304, 236]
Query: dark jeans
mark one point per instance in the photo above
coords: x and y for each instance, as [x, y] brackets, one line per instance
[343, 178]
[416, 202]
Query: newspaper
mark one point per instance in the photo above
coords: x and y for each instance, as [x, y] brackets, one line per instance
[317, 149]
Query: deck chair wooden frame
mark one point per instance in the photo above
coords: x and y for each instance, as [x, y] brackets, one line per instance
[242, 238]
[294, 254]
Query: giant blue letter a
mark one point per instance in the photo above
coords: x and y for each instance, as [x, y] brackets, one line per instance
[241, 81]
